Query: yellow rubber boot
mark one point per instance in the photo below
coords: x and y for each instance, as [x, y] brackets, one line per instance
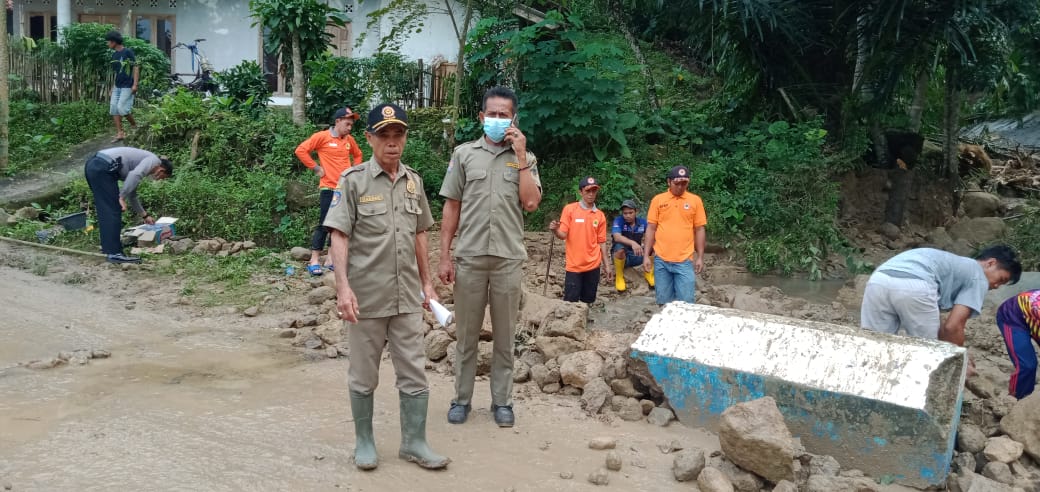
[649, 276]
[619, 274]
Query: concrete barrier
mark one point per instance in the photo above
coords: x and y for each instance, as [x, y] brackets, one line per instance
[884, 404]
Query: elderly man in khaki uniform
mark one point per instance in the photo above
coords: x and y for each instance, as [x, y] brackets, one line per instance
[488, 185]
[378, 218]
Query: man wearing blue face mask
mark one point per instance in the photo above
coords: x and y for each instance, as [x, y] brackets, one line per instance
[490, 182]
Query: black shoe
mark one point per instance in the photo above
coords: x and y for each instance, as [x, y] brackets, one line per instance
[457, 414]
[503, 415]
[121, 258]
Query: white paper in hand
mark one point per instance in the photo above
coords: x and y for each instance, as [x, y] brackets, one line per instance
[444, 317]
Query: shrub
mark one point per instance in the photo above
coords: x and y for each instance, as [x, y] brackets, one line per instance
[155, 68]
[40, 132]
[334, 82]
[572, 84]
[771, 185]
[246, 86]
[355, 82]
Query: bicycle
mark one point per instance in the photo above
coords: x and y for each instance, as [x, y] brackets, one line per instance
[201, 68]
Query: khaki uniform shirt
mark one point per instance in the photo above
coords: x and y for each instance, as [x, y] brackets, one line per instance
[486, 179]
[381, 218]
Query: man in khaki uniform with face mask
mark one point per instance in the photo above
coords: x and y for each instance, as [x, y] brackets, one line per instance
[378, 218]
[488, 185]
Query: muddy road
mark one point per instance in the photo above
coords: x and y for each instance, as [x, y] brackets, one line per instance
[188, 402]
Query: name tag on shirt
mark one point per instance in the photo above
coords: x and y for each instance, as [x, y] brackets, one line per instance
[579, 221]
[333, 144]
[370, 198]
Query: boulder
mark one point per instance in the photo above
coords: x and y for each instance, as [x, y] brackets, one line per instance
[579, 368]
[625, 387]
[300, 254]
[964, 462]
[742, 480]
[485, 350]
[27, 213]
[980, 230]
[1003, 450]
[970, 438]
[939, 238]
[999, 472]
[688, 464]
[599, 477]
[183, 246]
[712, 480]
[553, 347]
[630, 410]
[1022, 423]
[753, 435]
[971, 482]
[660, 416]
[437, 342]
[785, 486]
[321, 294]
[889, 230]
[596, 393]
[566, 320]
[824, 465]
[613, 461]
[521, 371]
[614, 367]
[532, 358]
[603, 442]
[980, 204]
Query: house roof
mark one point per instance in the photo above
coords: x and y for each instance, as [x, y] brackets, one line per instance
[1008, 133]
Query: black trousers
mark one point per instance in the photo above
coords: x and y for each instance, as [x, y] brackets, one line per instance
[321, 235]
[104, 184]
[581, 286]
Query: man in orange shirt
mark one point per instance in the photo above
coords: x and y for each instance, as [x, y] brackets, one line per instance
[337, 151]
[584, 228]
[675, 233]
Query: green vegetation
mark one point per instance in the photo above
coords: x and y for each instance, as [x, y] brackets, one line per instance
[1024, 236]
[42, 132]
[245, 87]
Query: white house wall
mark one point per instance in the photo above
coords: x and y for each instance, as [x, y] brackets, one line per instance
[437, 39]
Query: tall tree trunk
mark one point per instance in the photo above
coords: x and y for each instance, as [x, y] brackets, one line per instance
[920, 97]
[299, 88]
[951, 118]
[460, 70]
[903, 179]
[5, 94]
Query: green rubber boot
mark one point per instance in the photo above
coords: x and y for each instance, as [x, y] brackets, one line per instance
[364, 443]
[413, 433]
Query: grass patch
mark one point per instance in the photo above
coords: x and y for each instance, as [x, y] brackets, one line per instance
[228, 280]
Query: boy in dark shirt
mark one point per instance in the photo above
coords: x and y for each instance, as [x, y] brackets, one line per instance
[127, 75]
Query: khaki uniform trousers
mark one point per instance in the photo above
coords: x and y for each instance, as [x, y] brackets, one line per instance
[479, 281]
[367, 337]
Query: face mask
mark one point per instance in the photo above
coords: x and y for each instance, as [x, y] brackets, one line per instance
[495, 128]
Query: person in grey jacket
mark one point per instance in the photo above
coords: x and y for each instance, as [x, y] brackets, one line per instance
[104, 170]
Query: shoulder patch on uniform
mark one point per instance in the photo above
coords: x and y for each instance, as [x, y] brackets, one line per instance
[337, 196]
[352, 169]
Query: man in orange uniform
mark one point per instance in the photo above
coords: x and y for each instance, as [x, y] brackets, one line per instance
[675, 233]
[584, 228]
[337, 151]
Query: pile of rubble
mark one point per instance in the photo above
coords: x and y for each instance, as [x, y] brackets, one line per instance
[998, 445]
[758, 453]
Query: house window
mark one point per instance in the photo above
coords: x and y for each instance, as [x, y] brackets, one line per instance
[43, 26]
[156, 29]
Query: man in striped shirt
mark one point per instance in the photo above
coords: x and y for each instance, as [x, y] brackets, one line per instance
[1019, 321]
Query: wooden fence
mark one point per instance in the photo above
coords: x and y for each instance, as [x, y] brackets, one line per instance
[432, 86]
[55, 81]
